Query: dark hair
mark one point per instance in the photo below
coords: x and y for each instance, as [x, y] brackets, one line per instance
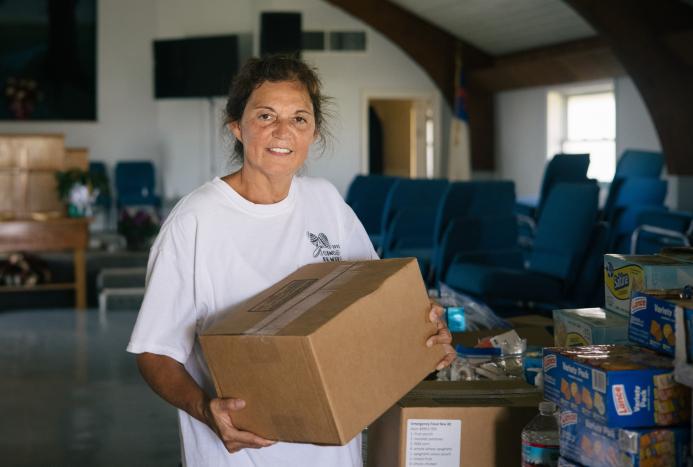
[275, 68]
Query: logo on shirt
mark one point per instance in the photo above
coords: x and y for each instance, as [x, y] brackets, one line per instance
[323, 247]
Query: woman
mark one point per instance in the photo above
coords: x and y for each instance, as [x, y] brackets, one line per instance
[232, 238]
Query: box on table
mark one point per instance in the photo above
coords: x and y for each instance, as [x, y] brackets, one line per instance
[618, 385]
[588, 442]
[587, 326]
[454, 423]
[681, 253]
[627, 274]
[324, 352]
[652, 321]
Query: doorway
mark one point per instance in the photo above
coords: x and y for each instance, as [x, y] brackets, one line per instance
[400, 135]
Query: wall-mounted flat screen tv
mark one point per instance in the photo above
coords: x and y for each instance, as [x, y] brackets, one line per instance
[47, 60]
[194, 67]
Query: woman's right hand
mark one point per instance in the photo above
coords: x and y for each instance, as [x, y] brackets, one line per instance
[218, 415]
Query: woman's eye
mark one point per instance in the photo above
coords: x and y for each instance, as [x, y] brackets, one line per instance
[301, 120]
[265, 117]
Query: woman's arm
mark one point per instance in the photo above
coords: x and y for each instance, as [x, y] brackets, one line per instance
[170, 380]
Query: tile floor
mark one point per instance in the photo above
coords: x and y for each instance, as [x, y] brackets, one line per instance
[71, 396]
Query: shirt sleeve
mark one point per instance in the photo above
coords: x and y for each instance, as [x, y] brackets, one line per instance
[358, 243]
[167, 320]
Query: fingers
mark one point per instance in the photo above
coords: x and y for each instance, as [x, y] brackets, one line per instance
[450, 355]
[235, 440]
[229, 404]
[442, 337]
[436, 314]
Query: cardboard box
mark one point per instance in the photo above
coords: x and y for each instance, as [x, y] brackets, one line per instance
[324, 352]
[624, 275]
[652, 321]
[454, 423]
[681, 253]
[617, 385]
[597, 445]
[32, 151]
[587, 326]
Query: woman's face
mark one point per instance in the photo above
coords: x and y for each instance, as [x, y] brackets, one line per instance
[276, 129]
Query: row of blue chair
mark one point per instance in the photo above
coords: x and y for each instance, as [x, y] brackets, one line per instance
[135, 183]
[465, 234]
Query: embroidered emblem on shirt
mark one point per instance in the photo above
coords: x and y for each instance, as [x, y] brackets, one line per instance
[323, 247]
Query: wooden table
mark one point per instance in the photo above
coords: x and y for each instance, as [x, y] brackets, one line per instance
[61, 234]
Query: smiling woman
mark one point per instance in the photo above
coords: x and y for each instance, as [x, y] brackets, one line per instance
[234, 237]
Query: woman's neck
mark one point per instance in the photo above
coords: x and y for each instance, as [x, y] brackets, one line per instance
[258, 189]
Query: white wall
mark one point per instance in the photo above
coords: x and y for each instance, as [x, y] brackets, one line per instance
[184, 125]
[184, 137]
[126, 114]
[521, 137]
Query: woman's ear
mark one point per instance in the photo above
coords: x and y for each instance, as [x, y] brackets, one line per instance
[235, 128]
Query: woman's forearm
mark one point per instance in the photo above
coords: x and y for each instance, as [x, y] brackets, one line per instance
[170, 380]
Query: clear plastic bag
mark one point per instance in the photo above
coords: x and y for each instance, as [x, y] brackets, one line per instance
[476, 314]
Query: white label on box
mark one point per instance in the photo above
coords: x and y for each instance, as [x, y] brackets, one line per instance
[433, 443]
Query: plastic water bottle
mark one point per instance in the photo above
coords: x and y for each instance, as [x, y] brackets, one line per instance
[540, 445]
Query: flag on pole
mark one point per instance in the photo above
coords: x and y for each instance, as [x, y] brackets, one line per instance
[459, 156]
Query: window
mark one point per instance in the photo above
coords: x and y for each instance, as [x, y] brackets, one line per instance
[585, 120]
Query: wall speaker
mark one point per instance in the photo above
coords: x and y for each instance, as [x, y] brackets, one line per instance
[280, 32]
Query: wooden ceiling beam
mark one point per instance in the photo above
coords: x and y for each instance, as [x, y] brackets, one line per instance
[653, 42]
[436, 51]
[579, 60]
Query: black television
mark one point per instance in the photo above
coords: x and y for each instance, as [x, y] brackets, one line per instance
[194, 67]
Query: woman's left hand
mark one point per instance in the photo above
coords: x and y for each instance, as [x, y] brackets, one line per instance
[442, 337]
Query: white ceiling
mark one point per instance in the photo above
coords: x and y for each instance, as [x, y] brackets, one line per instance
[503, 26]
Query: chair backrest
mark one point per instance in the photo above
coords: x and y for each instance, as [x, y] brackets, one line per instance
[634, 195]
[560, 169]
[366, 196]
[494, 233]
[564, 228]
[659, 228]
[412, 195]
[588, 289]
[134, 178]
[474, 199]
[638, 163]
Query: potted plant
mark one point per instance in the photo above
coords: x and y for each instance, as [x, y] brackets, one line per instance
[139, 227]
[79, 190]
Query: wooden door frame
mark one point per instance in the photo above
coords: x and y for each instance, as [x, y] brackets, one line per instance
[432, 97]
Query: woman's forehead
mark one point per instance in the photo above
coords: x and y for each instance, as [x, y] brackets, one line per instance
[279, 93]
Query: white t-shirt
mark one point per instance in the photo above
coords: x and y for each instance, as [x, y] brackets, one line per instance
[217, 249]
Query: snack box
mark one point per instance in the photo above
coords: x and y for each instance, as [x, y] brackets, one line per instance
[624, 275]
[652, 322]
[597, 445]
[618, 385]
[587, 326]
[681, 253]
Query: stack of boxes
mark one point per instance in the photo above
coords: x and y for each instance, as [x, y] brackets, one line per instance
[620, 402]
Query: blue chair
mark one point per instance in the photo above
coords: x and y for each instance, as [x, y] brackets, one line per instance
[549, 275]
[633, 163]
[135, 183]
[469, 203]
[560, 169]
[366, 196]
[97, 170]
[409, 216]
[634, 195]
[657, 229]
[638, 163]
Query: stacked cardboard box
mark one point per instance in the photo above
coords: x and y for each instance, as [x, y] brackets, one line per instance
[620, 404]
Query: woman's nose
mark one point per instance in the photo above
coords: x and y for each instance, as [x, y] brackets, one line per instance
[281, 128]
